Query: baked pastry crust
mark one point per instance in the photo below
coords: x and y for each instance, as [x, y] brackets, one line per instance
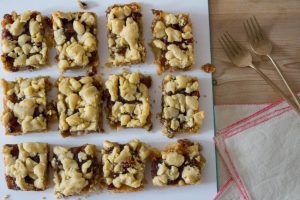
[125, 35]
[127, 100]
[25, 105]
[24, 44]
[124, 165]
[26, 166]
[172, 42]
[180, 105]
[76, 170]
[178, 164]
[79, 105]
[75, 36]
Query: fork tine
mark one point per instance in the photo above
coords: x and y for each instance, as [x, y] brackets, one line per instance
[227, 52]
[251, 30]
[258, 34]
[258, 27]
[229, 45]
[248, 32]
[234, 42]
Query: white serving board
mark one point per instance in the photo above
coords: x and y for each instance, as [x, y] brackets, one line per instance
[199, 13]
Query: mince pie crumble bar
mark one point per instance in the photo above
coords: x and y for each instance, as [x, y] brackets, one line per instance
[172, 41]
[23, 41]
[125, 38]
[25, 105]
[178, 164]
[180, 105]
[127, 100]
[75, 35]
[26, 166]
[79, 105]
[76, 170]
[124, 165]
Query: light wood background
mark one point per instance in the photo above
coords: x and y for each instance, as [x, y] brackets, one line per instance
[280, 20]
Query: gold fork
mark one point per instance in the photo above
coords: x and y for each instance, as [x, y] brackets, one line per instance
[243, 58]
[263, 46]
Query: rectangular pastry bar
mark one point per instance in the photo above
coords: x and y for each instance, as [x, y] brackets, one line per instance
[75, 35]
[25, 105]
[172, 41]
[23, 41]
[124, 165]
[127, 100]
[180, 105]
[76, 170]
[178, 164]
[125, 37]
[26, 166]
[79, 105]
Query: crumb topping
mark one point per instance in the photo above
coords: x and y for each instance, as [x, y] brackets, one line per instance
[76, 170]
[75, 38]
[180, 105]
[124, 165]
[25, 108]
[26, 166]
[125, 34]
[23, 41]
[79, 104]
[128, 100]
[178, 164]
[172, 40]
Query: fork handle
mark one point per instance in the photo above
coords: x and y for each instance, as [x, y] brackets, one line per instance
[294, 95]
[277, 89]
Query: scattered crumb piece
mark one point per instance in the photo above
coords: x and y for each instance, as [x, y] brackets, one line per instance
[44, 198]
[209, 68]
[82, 5]
[204, 96]
[6, 197]
[215, 82]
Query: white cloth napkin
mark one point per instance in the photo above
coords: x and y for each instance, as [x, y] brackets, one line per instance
[261, 153]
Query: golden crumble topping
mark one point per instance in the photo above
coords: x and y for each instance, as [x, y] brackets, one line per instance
[24, 41]
[76, 170]
[75, 35]
[178, 164]
[172, 41]
[127, 99]
[125, 35]
[124, 165]
[180, 105]
[79, 104]
[25, 105]
[25, 166]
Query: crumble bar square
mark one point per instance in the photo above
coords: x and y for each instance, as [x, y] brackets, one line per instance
[178, 164]
[24, 43]
[75, 35]
[26, 166]
[180, 105]
[25, 105]
[79, 103]
[76, 170]
[124, 165]
[125, 35]
[127, 100]
[172, 41]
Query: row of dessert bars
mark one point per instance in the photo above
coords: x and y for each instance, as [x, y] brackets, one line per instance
[27, 37]
[118, 167]
[79, 102]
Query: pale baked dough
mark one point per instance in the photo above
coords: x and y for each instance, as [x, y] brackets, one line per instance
[180, 105]
[23, 41]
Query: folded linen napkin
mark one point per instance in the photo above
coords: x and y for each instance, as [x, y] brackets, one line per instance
[261, 153]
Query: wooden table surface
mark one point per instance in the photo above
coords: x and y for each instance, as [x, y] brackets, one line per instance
[280, 19]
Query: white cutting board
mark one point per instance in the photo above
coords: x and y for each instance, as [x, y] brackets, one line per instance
[199, 13]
